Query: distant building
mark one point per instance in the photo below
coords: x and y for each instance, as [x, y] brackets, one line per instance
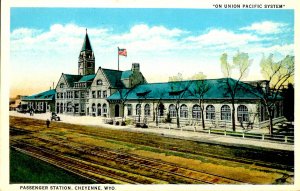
[14, 103]
[41, 102]
[113, 93]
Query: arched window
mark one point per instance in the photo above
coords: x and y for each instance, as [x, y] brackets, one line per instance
[225, 113]
[99, 109]
[93, 107]
[129, 109]
[210, 112]
[62, 108]
[57, 107]
[183, 111]
[61, 85]
[161, 109]
[138, 109]
[147, 110]
[242, 113]
[69, 107]
[117, 110]
[196, 112]
[172, 110]
[104, 108]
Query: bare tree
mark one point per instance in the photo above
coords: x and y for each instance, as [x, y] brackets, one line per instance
[175, 78]
[278, 74]
[142, 96]
[158, 101]
[199, 90]
[178, 91]
[198, 76]
[123, 93]
[241, 63]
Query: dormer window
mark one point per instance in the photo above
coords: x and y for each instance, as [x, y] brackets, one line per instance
[99, 82]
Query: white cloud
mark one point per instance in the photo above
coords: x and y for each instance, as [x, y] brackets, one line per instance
[222, 38]
[266, 27]
[144, 31]
[161, 51]
[282, 50]
[24, 33]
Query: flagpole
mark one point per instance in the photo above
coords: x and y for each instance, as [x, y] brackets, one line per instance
[118, 58]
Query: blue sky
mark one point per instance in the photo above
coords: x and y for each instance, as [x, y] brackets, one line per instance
[47, 41]
[123, 19]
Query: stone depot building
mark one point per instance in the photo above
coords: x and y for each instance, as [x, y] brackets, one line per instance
[111, 93]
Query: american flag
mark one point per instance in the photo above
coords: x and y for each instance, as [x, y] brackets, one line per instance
[122, 52]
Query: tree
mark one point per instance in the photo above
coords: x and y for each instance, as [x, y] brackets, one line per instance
[278, 74]
[123, 92]
[199, 90]
[123, 98]
[175, 78]
[178, 90]
[142, 96]
[160, 94]
[241, 63]
[198, 76]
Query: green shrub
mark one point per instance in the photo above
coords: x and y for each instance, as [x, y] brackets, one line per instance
[128, 121]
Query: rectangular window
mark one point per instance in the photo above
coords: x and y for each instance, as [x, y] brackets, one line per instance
[76, 107]
[104, 94]
[69, 107]
[82, 94]
[76, 94]
[99, 94]
[93, 94]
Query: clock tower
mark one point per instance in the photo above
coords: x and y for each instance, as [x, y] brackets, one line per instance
[86, 60]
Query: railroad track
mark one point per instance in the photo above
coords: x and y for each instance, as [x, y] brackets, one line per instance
[18, 131]
[93, 172]
[151, 165]
[167, 145]
[222, 154]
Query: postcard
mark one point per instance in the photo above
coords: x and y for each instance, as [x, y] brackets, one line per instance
[128, 95]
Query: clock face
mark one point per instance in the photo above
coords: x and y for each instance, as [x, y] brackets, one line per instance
[99, 82]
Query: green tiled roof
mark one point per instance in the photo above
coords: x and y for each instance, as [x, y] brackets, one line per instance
[71, 79]
[126, 74]
[87, 78]
[47, 95]
[218, 90]
[114, 77]
[86, 43]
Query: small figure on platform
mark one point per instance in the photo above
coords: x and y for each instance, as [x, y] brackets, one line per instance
[31, 112]
[48, 123]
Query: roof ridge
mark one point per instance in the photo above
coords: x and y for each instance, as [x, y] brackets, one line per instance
[113, 70]
[73, 74]
[188, 81]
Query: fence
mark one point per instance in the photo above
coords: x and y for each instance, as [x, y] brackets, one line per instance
[263, 137]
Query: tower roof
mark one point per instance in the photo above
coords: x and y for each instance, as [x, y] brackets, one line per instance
[86, 43]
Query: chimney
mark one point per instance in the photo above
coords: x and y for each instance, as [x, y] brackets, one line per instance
[135, 67]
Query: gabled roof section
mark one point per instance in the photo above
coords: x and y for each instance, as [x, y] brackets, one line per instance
[126, 74]
[71, 79]
[217, 90]
[114, 78]
[87, 78]
[86, 43]
[47, 95]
